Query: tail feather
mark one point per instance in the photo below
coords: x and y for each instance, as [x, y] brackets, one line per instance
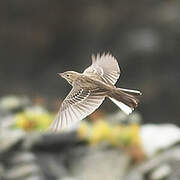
[125, 101]
[132, 92]
[122, 106]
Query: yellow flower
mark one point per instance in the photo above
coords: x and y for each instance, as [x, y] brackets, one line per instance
[135, 134]
[114, 135]
[123, 135]
[44, 120]
[99, 132]
[29, 120]
[22, 122]
[83, 130]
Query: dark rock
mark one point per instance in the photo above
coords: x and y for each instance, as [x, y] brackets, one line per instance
[51, 142]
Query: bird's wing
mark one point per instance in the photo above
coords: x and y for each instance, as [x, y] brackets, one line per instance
[77, 105]
[105, 66]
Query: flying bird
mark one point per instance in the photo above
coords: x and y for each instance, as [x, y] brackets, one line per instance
[90, 88]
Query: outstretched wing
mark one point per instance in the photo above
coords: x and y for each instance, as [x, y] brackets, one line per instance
[105, 66]
[76, 106]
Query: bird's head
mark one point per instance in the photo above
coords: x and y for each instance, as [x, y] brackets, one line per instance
[70, 76]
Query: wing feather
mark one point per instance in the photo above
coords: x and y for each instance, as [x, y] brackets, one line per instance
[76, 106]
[106, 67]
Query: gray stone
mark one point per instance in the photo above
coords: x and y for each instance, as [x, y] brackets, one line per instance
[68, 178]
[168, 156]
[1, 171]
[154, 137]
[10, 103]
[23, 157]
[161, 172]
[7, 121]
[34, 177]
[133, 175]
[165, 165]
[21, 171]
[9, 138]
[52, 166]
[101, 164]
[32, 139]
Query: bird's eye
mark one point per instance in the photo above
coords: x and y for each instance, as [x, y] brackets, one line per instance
[67, 75]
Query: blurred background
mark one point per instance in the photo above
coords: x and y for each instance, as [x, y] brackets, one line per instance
[40, 38]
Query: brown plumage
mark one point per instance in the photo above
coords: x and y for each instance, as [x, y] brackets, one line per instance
[90, 89]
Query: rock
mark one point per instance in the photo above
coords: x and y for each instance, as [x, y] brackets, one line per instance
[22, 157]
[32, 139]
[68, 178]
[22, 171]
[47, 141]
[52, 165]
[134, 175]
[101, 164]
[158, 137]
[34, 177]
[161, 172]
[164, 165]
[7, 121]
[10, 138]
[13, 103]
[22, 165]
[1, 171]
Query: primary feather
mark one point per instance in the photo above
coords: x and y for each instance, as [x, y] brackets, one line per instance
[76, 106]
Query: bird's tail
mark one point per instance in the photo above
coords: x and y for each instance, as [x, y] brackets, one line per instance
[124, 99]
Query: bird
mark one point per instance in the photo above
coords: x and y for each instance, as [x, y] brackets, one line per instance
[90, 88]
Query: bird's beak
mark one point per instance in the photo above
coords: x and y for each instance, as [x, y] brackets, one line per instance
[60, 74]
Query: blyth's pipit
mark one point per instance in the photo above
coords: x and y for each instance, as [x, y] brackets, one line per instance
[90, 88]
